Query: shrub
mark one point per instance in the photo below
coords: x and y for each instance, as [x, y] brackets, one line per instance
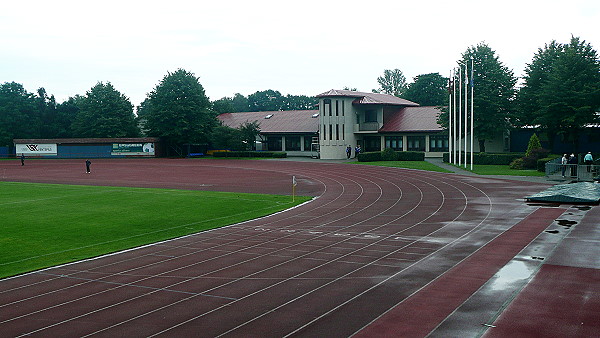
[517, 163]
[261, 154]
[369, 157]
[388, 154]
[533, 145]
[411, 156]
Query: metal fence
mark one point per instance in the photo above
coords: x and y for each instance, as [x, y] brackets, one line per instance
[577, 172]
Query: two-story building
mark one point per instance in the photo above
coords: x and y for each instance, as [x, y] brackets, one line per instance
[348, 118]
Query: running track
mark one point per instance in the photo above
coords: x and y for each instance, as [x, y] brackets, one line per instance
[379, 252]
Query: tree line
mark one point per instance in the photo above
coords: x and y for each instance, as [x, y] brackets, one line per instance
[559, 94]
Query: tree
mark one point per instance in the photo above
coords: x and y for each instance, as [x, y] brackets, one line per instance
[178, 111]
[223, 105]
[105, 112]
[299, 102]
[494, 92]
[428, 90]
[18, 116]
[267, 100]
[66, 112]
[562, 90]
[392, 82]
[248, 133]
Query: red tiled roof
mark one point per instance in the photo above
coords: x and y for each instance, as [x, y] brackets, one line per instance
[369, 98]
[291, 121]
[412, 119]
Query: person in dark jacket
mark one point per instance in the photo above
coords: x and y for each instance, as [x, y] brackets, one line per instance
[22, 159]
[87, 166]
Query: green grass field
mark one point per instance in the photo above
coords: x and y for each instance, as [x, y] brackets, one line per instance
[48, 224]
[421, 165]
[483, 169]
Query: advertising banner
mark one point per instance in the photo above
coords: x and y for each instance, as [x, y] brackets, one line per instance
[133, 149]
[36, 149]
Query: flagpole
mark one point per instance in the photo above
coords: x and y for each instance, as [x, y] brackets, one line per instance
[450, 149]
[472, 116]
[466, 110]
[459, 114]
[454, 113]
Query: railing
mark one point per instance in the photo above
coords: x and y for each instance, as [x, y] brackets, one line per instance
[578, 172]
[369, 126]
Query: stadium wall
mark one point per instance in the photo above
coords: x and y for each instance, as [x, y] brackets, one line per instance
[88, 148]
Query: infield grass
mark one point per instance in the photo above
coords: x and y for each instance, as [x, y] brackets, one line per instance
[43, 225]
[421, 165]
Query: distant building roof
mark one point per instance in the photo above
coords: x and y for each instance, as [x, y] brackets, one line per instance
[369, 98]
[413, 119]
[291, 121]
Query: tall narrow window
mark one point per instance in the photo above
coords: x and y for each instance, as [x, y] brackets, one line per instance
[343, 108]
[330, 132]
[327, 107]
[337, 108]
[337, 132]
[343, 131]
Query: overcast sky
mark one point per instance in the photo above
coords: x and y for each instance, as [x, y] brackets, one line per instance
[300, 47]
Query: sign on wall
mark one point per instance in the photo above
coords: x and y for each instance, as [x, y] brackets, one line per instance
[36, 149]
[133, 149]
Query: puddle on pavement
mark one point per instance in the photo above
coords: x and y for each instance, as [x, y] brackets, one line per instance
[583, 208]
[512, 272]
[552, 231]
[565, 223]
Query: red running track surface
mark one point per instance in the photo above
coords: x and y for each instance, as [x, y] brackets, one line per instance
[375, 238]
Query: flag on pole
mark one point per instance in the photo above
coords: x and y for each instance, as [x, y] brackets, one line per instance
[294, 183]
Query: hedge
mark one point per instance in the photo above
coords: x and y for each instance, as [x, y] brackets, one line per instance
[271, 154]
[486, 158]
[390, 155]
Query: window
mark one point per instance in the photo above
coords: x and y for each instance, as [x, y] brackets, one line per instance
[343, 108]
[370, 116]
[415, 143]
[292, 143]
[330, 132]
[307, 142]
[337, 132]
[274, 143]
[394, 142]
[327, 108]
[337, 107]
[438, 143]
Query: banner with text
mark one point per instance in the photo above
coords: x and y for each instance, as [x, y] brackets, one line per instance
[133, 149]
[36, 149]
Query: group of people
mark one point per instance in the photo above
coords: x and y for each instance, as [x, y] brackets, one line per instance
[88, 163]
[357, 151]
[587, 160]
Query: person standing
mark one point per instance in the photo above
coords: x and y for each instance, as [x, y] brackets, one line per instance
[573, 164]
[87, 166]
[349, 151]
[22, 159]
[564, 161]
[588, 160]
[357, 150]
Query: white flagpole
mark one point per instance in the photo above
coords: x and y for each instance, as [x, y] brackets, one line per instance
[450, 149]
[466, 110]
[454, 113]
[472, 116]
[294, 183]
[459, 115]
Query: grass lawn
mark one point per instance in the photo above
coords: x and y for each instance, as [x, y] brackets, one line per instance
[422, 165]
[483, 169]
[49, 224]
